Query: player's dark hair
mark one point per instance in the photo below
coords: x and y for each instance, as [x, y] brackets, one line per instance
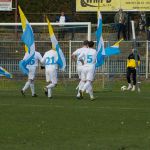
[86, 43]
[91, 44]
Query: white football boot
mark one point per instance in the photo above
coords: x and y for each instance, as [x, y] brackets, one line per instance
[129, 86]
[133, 88]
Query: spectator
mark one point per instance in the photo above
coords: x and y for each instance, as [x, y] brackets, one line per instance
[61, 19]
[121, 20]
[142, 21]
[148, 29]
[148, 36]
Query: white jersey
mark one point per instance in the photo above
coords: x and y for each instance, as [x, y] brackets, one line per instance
[88, 71]
[89, 56]
[34, 62]
[50, 59]
[62, 19]
[77, 54]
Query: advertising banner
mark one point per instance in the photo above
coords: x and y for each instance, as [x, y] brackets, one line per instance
[5, 5]
[112, 5]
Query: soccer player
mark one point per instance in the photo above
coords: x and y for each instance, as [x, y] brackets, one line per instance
[79, 65]
[50, 59]
[131, 69]
[88, 60]
[32, 66]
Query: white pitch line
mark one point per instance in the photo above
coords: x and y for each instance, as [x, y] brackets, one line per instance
[77, 107]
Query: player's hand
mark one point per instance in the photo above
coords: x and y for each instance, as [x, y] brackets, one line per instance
[42, 67]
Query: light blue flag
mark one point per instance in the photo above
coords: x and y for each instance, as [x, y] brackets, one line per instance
[28, 39]
[61, 58]
[5, 73]
[100, 43]
[113, 50]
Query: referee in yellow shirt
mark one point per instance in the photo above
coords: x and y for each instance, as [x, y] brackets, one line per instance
[131, 69]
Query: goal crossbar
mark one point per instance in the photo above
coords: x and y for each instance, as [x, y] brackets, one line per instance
[88, 24]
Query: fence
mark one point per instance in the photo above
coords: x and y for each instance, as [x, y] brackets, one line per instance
[12, 52]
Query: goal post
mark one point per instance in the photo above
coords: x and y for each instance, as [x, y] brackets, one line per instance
[60, 25]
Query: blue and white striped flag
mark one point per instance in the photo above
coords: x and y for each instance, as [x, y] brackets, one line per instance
[28, 39]
[100, 43]
[113, 50]
[61, 58]
[4, 72]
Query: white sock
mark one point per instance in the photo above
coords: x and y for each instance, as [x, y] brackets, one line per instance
[26, 86]
[91, 93]
[51, 85]
[78, 88]
[32, 88]
[81, 85]
[86, 86]
[89, 88]
[49, 92]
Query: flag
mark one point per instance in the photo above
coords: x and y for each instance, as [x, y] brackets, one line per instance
[28, 39]
[61, 58]
[113, 50]
[100, 43]
[5, 73]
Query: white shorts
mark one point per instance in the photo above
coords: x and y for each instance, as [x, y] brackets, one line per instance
[32, 72]
[51, 75]
[88, 73]
[79, 71]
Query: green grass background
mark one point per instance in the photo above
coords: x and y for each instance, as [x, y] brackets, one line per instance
[114, 121]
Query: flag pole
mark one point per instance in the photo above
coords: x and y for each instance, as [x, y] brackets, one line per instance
[136, 55]
[103, 76]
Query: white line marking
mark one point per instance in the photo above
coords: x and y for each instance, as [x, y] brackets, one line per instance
[77, 107]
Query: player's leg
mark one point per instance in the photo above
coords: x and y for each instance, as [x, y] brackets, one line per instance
[128, 78]
[88, 85]
[134, 79]
[82, 82]
[119, 30]
[26, 86]
[124, 32]
[32, 77]
[87, 91]
[53, 79]
[79, 70]
[47, 75]
[90, 91]
[32, 88]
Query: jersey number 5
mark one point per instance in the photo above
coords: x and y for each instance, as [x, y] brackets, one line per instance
[89, 58]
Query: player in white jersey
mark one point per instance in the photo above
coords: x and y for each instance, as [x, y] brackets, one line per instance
[50, 59]
[79, 65]
[32, 66]
[88, 59]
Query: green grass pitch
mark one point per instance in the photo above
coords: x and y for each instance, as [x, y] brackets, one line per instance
[114, 121]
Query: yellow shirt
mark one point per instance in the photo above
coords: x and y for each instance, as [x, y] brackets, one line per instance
[131, 62]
